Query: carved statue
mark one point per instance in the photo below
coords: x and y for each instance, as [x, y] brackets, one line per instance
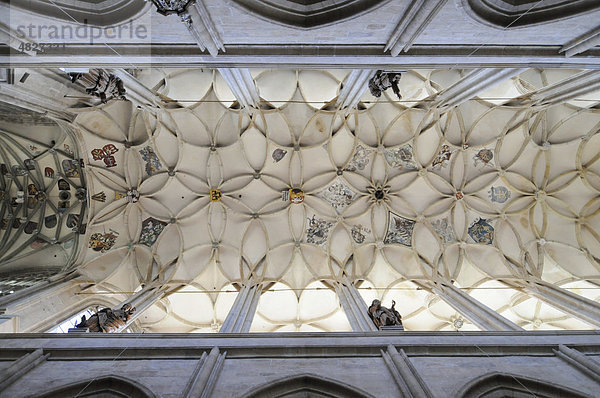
[101, 84]
[384, 80]
[383, 316]
[107, 320]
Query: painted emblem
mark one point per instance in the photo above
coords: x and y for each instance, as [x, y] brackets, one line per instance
[151, 229]
[133, 196]
[443, 228]
[63, 206]
[50, 221]
[70, 168]
[18, 170]
[359, 160]
[459, 195]
[442, 158]
[215, 195]
[278, 154]
[30, 227]
[102, 242]
[63, 185]
[153, 163]
[482, 232]
[33, 148]
[338, 195]
[29, 164]
[318, 231]
[483, 158]
[399, 230]
[499, 194]
[359, 233]
[72, 221]
[401, 158]
[37, 244]
[294, 195]
[106, 154]
[120, 195]
[68, 150]
[100, 196]
[49, 172]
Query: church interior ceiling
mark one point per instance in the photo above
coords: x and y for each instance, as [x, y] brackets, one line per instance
[43, 199]
[297, 194]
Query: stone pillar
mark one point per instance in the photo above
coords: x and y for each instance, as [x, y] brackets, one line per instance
[582, 43]
[205, 375]
[580, 361]
[37, 308]
[404, 373]
[415, 19]
[354, 306]
[355, 85]
[573, 304]
[20, 367]
[35, 101]
[572, 87]
[470, 85]
[239, 319]
[476, 312]
[242, 86]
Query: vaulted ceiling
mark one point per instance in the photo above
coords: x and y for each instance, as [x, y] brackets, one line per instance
[299, 193]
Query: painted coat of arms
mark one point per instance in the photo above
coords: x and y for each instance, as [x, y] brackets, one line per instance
[483, 158]
[482, 232]
[70, 168]
[399, 230]
[338, 195]
[401, 157]
[106, 154]
[151, 229]
[444, 230]
[102, 242]
[359, 233]
[318, 231]
[442, 158]
[499, 194]
[359, 160]
[153, 163]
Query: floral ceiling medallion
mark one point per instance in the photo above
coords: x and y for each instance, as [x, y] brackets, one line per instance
[378, 193]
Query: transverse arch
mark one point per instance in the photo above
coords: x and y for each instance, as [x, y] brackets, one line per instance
[306, 385]
[496, 385]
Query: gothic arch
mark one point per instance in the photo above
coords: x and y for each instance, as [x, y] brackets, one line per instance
[306, 383]
[97, 13]
[118, 386]
[308, 14]
[503, 13]
[498, 384]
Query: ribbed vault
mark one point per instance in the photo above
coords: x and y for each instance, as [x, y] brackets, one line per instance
[392, 195]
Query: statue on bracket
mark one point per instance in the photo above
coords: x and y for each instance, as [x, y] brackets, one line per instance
[107, 320]
[384, 80]
[383, 316]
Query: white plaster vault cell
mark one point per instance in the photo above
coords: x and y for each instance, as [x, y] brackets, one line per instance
[468, 194]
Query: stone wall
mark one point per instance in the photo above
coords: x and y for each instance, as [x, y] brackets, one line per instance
[183, 365]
